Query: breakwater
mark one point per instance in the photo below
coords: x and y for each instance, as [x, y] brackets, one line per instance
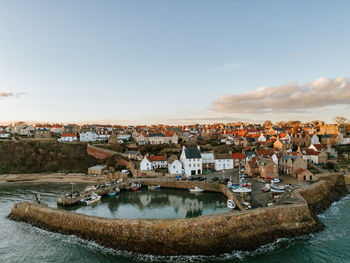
[207, 235]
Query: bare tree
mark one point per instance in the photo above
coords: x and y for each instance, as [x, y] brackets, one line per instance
[340, 120]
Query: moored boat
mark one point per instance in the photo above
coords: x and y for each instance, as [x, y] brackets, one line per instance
[231, 204]
[242, 190]
[114, 192]
[196, 190]
[93, 198]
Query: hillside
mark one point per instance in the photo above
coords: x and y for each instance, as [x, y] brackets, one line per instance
[38, 157]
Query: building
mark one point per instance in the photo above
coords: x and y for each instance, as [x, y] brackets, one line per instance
[88, 136]
[141, 139]
[174, 166]
[68, 137]
[42, 132]
[223, 161]
[268, 167]
[133, 155]
[238, 160]
[156, 138]
[191, 160]
[305, 175]
[208, 161]
[97, 170]
[153, 162]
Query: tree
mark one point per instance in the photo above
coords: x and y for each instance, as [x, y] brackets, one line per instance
[268, 123]
[340, 120]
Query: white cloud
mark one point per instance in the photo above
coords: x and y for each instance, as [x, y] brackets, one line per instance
[10, 94]
[288, 97]
[228, 66]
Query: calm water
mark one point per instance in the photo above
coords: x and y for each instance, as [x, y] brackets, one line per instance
[20, 242]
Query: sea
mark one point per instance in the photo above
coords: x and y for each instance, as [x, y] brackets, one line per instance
[21, 242]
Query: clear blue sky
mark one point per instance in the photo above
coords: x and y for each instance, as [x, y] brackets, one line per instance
[164, 61]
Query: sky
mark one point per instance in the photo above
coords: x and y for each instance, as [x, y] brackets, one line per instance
[174, 61]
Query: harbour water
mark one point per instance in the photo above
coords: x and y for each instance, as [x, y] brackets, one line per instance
[20, 242]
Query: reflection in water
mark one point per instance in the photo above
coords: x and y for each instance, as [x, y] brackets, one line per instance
[163, 203]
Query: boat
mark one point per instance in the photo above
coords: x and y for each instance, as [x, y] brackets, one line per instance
[153, 187]
[242, 190]
[196, 190]
[276, 180]
[247, 205]
[229, 184]
[278, 187]
[231, 204]
[276, 190]
[135, 187]
[93, 198]
[114, 192]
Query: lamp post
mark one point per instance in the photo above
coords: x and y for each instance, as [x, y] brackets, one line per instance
[72, 191]
[223, 174]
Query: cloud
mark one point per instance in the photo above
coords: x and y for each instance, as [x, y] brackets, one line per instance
[288, 97]
[228, 66]
[11, 94]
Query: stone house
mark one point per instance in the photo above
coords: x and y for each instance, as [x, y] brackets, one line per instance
[208, 161]
[268, 167]
[141, 139]
[290, 164]
[251, 167]
[239, 160]
[42, 132]
[305, 175]
[282, 145]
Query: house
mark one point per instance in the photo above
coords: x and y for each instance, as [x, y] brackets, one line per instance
[305, 175]
[124, 137]
[262, 138]
[88, 136]
[171, 137]
[153, 162]
[156, 138]
[281, 145]
[268, 167]
[191, 160]
[97, 170]
[239, 160]
[251, 167]
[250, 155]
[208, 161]
[68, 137]
[316, 157]
[141, 139]
[133, 155]
[4, 135]
[174, 165]
[289, 164]
[28, 131]
[41, 132]
[223, 161]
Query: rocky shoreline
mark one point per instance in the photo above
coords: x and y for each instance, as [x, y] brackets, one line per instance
[206, 235]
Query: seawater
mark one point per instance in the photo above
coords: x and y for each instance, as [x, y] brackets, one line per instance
[20, 242]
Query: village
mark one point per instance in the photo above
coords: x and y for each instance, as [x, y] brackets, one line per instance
[299, 150]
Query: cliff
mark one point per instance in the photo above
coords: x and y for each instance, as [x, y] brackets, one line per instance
[207, 235]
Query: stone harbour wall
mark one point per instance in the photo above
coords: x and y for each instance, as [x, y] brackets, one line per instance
[206, 235]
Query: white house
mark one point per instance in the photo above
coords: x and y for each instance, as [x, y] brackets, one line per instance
[156, 138]
[68, 137]
[141, 139]
[88, 136]
[124, 137]
[262, 138]
[153, 162]
[174, 165]
[191, 160]
[171, 137]
[223, 161]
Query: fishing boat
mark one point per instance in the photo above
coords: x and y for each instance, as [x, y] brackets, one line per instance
[153, 187]
[231, 204]
[196, 190]
[276, 190]
[273, 186]
[114, 192]
[93, 198]
[242, 190]
[276, 180]
[135, 187]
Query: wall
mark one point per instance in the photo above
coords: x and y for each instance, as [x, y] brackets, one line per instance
[207, 235]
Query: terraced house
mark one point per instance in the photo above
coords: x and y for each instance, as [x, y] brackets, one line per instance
[191, 160]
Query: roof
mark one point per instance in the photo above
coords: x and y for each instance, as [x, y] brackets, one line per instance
[156, 158]
[192, 153]
[68, 135]
[222, 156]
[238, 156]
[172, 159]
[155, 135]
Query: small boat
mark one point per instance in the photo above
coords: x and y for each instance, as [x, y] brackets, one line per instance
[277, 187]
[135, 187]
[196, 190]
[242, 190]
[231, 204]
[114, 192]
[93, 198]
[276, 180]
[229, 184]
[153, 187]
[276, 190]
